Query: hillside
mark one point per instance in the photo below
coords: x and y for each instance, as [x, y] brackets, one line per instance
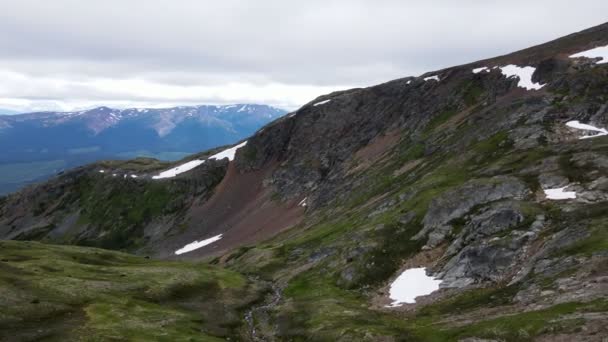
[491, 176]
[39, 145]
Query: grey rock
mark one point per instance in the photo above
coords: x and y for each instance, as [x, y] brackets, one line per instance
[382, 208]
[490, 220]
[458, 202]
[552, 180]
[479, 263]
[407, 218]
[526, 136]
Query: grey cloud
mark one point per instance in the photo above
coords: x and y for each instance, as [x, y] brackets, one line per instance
[294, 43]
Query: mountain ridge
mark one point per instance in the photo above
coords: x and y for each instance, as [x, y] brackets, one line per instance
[495, 187]
[114, 115]
[52, 142]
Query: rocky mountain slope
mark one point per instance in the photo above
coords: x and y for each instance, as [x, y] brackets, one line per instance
[38, 145]
[491, 176]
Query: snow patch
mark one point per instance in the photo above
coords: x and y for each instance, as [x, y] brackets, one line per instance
[524, 74]
[478, 70]
[577, 125]
[102, 171]
[179, 169]
[321, 103]
[303, 202]
[434, 77]
[598, 52]
[410, 284]
[229, 153]
[559, 193]
[197, 244]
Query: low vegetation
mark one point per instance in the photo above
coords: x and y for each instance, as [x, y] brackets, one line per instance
[77, 293]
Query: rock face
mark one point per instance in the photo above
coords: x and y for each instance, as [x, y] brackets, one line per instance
[490, 220]
[456, 203]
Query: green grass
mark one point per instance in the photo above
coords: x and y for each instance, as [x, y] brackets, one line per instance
[76, 291]
[386, 257]
[472, 299]
[121, 211]
[319, 310]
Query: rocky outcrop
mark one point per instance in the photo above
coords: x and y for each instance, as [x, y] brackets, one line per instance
[456, 203]
[488, 221]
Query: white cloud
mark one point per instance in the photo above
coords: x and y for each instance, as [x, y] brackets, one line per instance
[267, 51]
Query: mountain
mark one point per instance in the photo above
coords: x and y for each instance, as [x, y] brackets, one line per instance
[467, 204]
[38, 145]
[7, 112]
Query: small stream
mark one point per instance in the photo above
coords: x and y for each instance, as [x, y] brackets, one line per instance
[261, 311]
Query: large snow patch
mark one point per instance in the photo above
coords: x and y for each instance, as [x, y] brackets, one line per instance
[228, 153]
[524, 74]
[559, 194]
[179, 169]
[197, 244]
[598, 52]
[410, 284]
[577, 125]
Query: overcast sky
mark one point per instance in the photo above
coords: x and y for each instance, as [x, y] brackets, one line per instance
[73, 54]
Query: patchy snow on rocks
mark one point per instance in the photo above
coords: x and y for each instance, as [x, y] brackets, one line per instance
[598, 52]
[524, 74]
[321, 103]
[228, 153]
[303, 202]
[559, 193]
[577, 125]
[478, 70]
[412, 283]
[434, 77]
[179, 169]
[197, 244]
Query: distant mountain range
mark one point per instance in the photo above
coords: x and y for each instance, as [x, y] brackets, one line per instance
[37, 145]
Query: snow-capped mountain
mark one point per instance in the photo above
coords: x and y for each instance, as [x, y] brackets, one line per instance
[72, 138]
[163, 119]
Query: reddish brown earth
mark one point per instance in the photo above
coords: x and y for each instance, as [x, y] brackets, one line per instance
[241, 209]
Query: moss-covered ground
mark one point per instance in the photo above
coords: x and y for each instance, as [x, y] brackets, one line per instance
[77, 293]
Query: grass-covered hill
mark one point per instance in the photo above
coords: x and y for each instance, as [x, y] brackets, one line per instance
[65, 293]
